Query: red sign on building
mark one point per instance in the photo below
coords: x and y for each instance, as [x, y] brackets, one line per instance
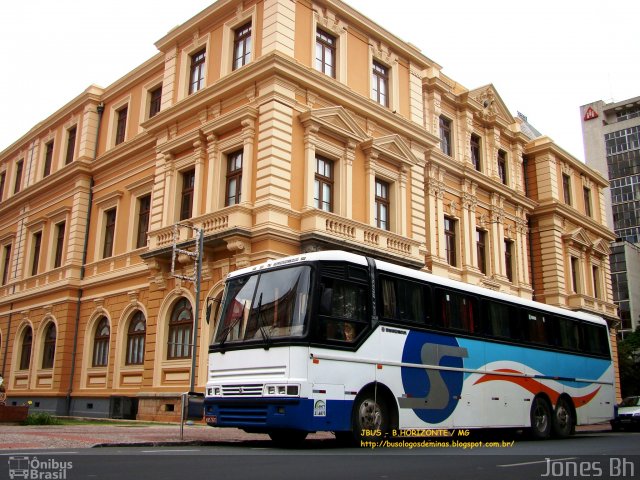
[590, 114]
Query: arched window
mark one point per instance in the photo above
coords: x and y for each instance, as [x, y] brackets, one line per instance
[180, 327]
[101, 344]
[49, 346]
[135, 339]
[25, 351]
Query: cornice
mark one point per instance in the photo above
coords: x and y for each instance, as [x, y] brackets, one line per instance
[134, 76]
[70, 173]
[547, 145]
[553, 207]
[93, 94]
[282, 66]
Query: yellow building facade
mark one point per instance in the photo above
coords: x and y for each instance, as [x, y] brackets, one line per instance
[275, 127]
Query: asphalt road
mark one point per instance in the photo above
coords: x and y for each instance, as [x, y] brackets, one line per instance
[597, 455]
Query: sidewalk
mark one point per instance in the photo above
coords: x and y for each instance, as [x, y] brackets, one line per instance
[14, 437]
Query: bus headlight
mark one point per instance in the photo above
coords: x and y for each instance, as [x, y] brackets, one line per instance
[282, 390]
[214, 391]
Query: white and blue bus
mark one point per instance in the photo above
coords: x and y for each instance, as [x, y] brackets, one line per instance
[334, 341]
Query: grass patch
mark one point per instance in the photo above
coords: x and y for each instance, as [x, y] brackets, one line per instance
[41, 418]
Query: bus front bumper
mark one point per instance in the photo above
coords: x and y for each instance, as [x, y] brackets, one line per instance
[263, 414]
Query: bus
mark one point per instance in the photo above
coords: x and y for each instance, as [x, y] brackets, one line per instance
[339, 342]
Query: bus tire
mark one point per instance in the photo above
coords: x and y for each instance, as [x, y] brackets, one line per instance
[564, 423]
[540, 418]
[287, 438]
[370, 419]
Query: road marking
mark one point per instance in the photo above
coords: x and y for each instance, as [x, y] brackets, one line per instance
[39, 452]
[539, 461]
[162, 450]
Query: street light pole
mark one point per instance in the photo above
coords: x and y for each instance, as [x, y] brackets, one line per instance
[196, 279]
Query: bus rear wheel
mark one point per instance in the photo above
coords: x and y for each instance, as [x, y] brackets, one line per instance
[564, 423]
[540, 418]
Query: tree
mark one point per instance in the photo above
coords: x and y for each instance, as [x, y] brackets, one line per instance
[629, 364]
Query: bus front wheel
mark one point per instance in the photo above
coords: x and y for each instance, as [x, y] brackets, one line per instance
[540, 418]
[564, 423]
[370, 416]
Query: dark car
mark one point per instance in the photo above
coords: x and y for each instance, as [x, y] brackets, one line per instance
[627, 414]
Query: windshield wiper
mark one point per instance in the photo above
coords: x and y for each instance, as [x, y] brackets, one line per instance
[261, 326]
[226, 331]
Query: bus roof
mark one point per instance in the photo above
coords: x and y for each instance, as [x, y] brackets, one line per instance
[341, 256]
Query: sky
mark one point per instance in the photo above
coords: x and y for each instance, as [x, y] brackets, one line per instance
[545, 58]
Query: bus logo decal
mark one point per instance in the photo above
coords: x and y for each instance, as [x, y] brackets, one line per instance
[320, 409]
[432, 394]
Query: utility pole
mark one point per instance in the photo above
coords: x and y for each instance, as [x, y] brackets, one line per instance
[197, 244]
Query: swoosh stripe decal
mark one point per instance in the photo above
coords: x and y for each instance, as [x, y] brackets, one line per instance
[533, 386]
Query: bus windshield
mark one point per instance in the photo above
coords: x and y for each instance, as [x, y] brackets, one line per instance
[265, 305]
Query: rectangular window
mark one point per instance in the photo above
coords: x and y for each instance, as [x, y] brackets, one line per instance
[502, 166]
[380, 84]
[144, 211]
[57, 260]
[587, 201]
[242, 46]
[457, 310]
[481, 248]
[568, 334]
[574, 274]
[402, 300]
[595, 271]
[48, 157]
[18, 185]
[121, 126]
[196, 71]
[3, 179]
[234, 178]
[566, 188]
[323, 185]
[508, 259]
[71, 145]
[37, 244]
[450, 240]
[155, 100]
[382, 205]
[537, 327]
[445, 136]
[109, 233]
[500, 319]
[475, 152]
[186, 204]
[325, 53]
[6, 259]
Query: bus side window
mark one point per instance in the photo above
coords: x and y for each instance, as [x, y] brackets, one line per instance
[341, 299]
[457, 311]
[410, 302]
[595, 339]
[389, 302]
[568, 333]
[537, 327]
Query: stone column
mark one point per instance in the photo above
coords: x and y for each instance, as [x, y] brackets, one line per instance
[248, 139]
[213, 174]
[310, 139]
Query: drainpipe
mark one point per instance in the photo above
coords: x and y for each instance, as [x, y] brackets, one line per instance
[74, 353]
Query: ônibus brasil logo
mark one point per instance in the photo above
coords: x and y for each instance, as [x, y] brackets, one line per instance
[36, 469]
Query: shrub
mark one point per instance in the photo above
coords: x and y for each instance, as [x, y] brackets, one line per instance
[41, 418]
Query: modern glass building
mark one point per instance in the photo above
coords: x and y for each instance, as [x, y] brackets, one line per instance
[611, 133]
